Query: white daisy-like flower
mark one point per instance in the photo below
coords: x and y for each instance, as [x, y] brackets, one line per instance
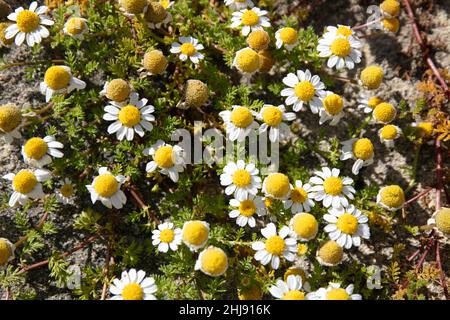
[332, 108]
[250, 20]
[347, 226]
[273, 118]
[291, 289]
[275, 246]
[391, 197]
[304, 226]
[359, 149]
[339, 31]
[240, 179]
[245, 210]
[212, 261]
[304, 88]
[239, 4]
[117, 90]
[239, 122]
[76, 27]
[276, 185]
[29, 25]
[7, 249]
[247, 61]
[26, 184]
[368, 102]
[300, 198]
[440, 222]
[157, 15]
[287, 37]
[128, 119]
[340, 51]
[195, 234]
[38, 152]
[169, 159]
[59, 80]
[332, 189]
[334, 292]
[65, 194]
[106, 188]
[166, 236]
[133, 285]
[188, 48]
[10, 122]
[388, 134]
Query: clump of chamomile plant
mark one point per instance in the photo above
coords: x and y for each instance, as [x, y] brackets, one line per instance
[104, 148]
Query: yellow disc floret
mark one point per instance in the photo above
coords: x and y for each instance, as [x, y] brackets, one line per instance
[132, 291]
[10, 117]
[241, 178]
[337, 294]
[258, 40]
[5, 252]
[373, 102]
[67, 190]
[294, 295]
[288, 35]
[275, 245]
[305, 225]
[272, 116]
[195, 233]
[241, 117]
[133, 6]
[389, 132]
[250, 18]
[35, 148]
[302, 249]
[442, 220]
[118, 90]
[391, 25]
[75, 25]
[196, 93]
[247, 60]
[129, 116]
[425, 129]
[363, 149]
[384, 112]
[333, 104]
[24, 182]
[214, 261]
[298, 195]
[347, 223]
[57, 77]
[164, 157]
[155, 62]
[156, 13]
[277, 185]
[3, 40]
[340, 47]
[266, 61]
[392, 196]
[304, 90]
[331, 253]
[27, 21]
[372, 76]
[188, 49]
[167, 235]
[247, 208]
[106, 185]
[390, 7]
[344, 31]
[333, 186]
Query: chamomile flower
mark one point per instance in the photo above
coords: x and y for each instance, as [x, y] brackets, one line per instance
[3, 41]
[332, 106]
[188, 48]
[154, 62]
[239, 4]
[340, 51]
[166, 3]
[275, 247]
[65, 194]
[440, 221]
[133, 285]
[371, 77]
[291, 289]
[117, 90]
[391, 197]
[390, 8]
[424, 129]
[10, 122]
[76, 27]
[212, 261]
[240, 179]
[287, 37]
[195, 234]
[368, 102]
[250, 19]
[276, 185]
[347, 226]
[156, 15]
[166, 236]
[388, 134]
[169, 159]
[26, 184]
[38, 152]
[258, 40]
[29, 25]
[131, 8]
[272, 118]
[332, 189]
[134, 117]
[334, 292]
[390, 25]
[106, 188]
[300, 198]
[304, 226]
[339, 31]
[247, 61]
[384, 113]
[304, 88]
[58, 80]
[360, 150]
[330, 254]
[239, 122]
[244, 210]
[6, 251]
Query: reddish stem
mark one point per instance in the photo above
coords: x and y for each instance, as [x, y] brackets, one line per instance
[438, 173]
[37, 227]
[417, 197]
[141, 204]
[441, 272]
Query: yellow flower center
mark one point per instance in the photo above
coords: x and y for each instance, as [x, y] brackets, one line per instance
[331, 252]
[333, 186]
[305, 91]
[337, 294]
[250, 18]
[188, 49]
[164, 157]
[247, 208]
[298, 195]
[333, 104]
[75, 25]
[372, 76]
[384, 112]
[10, 117]
[118, 90]
[24, 182]
[129, 116]
[156, 12]
[391, 25]
[275, 245]
[277, 185]
[442, 220]
[258, 40]
[363, 149]
[3, 40]
[5, 252]
[266, 60]
[340, 47]
[196, 93]
[132, 291]
[241, 117]
[214, 261]
[272, 116]
[302, 249]
[167, 235]
[241, 178]
[57, 77]
[268, 202]
[344, 31]
[67, 190]
[391, 7]
[288, 35]
[195, 233]
[133, 6]
[347, 223]
[392, 196]
[294, 295]
[106, 185]
[389, 132]
[155, 62]
[164, 3]
[373, 102]
[305, 225]
[35, 148]
[425, 129]
[27, 21]
[247, 60]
